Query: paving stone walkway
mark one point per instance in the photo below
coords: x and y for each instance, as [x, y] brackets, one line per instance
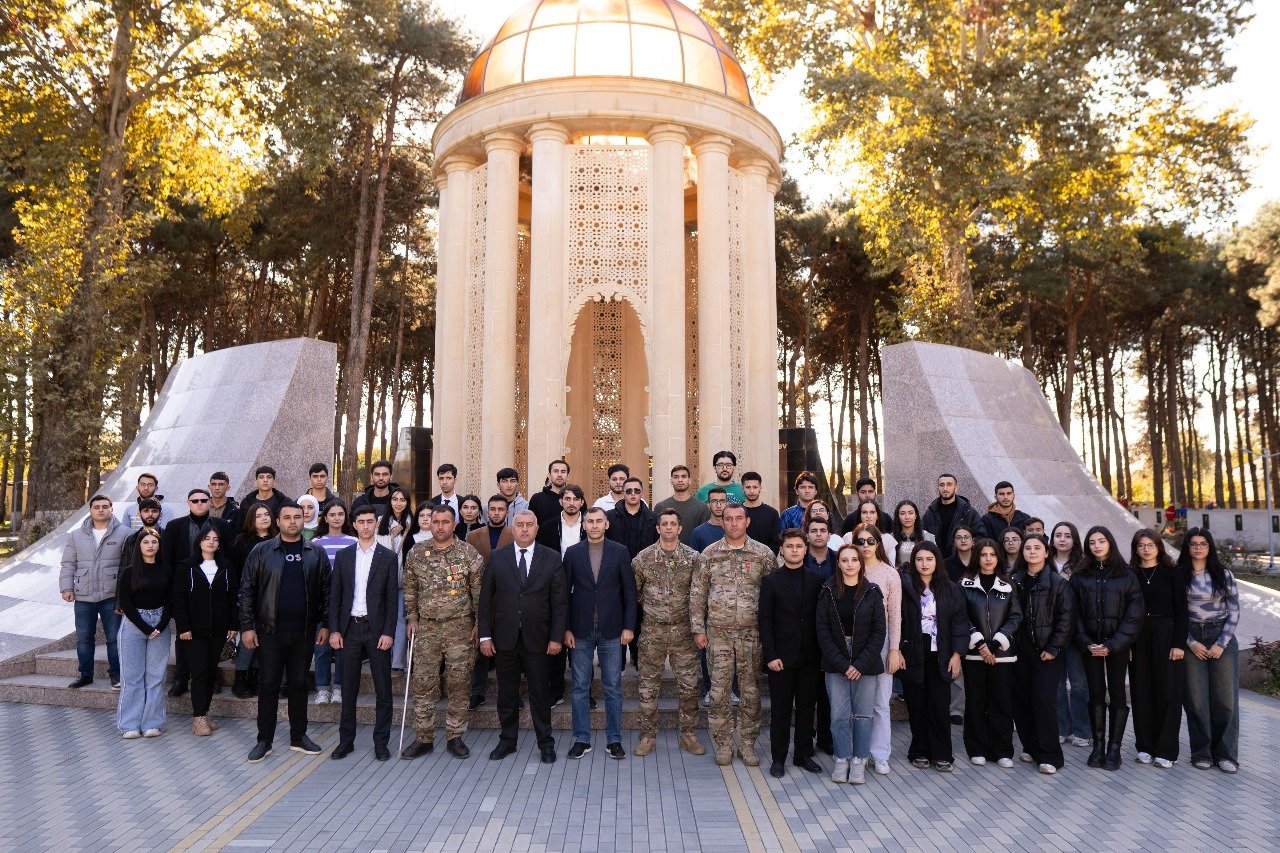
[68, 782]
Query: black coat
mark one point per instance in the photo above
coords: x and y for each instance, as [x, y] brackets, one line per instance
[869, 631]
[513, 607]
[636, 531]
[1048, 611]
[545, 505]
[609, 602]
[994, 617]
[1109, 607]
[788, 622]
[965, 516]
[381, 596]
[249, 501]
[260, 585]
[953, 628]
[175, 539]
[204, 609]
[996, 525]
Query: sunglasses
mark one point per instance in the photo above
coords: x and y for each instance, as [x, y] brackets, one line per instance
[864, 542]
[197, 500]
[631, 491]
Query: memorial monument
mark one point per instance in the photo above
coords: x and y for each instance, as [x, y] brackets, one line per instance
[606, 251]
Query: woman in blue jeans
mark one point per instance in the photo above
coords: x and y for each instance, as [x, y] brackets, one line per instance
[145, 635]
[851, 632]
[1213, 656]
[1073, 700]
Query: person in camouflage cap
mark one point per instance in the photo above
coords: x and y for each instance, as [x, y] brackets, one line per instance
[441, 593]
[723, 607]
[664, 572]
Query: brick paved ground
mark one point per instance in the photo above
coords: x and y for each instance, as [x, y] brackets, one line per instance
[67, 782]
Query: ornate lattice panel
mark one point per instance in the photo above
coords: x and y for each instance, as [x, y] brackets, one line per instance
[522, 359]
[737, 317]
[608, 226]
[474, 333]
[606, 383]
[693, 452]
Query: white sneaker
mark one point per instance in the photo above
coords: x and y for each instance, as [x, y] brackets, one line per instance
[1062, 738]
[882, 767]
[1048, 769]
[734, 699]
[1005, 762]
[1076, 740]
[1144, 758]
[322, 695]
[857, 772]
[132, 734]
[840, 773]
[706, 699]
[1163, 763]
[335, 698]
[977, 761]
[151, 733]
[1026, 756]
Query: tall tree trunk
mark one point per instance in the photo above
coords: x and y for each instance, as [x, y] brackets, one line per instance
[357, 333]
[397, 372]
[1247, 444]
[1153, 409]
[864, 390]
[1177, 470]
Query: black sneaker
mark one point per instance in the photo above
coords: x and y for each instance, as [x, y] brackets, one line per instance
[476, 702]
[615, 750]
[579, 749]
[260, 751]
[179, 688]
[307, 745]
[82, 681]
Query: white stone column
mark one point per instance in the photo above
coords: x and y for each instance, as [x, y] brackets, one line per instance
[714, 403]
[498, 407]
[761, 345]
[668, 410]
[448, 411]
[548, 343]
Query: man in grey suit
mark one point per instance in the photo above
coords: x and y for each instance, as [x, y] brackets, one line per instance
[363, 598]
[524, 605]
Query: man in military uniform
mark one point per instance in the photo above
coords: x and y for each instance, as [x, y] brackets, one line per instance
[441, 592]
[723, 603]
[664, 572]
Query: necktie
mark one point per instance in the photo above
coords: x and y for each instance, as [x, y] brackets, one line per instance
[524, 565]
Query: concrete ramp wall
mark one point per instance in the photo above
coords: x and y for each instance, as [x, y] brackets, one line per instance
[230, 410]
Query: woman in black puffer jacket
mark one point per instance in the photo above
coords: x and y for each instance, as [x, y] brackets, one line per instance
[995, 614]
[1109, 613]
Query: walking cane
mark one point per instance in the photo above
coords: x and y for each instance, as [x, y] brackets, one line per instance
[408, 671]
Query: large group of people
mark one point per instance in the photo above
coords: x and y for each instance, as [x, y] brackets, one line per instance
[988, 621]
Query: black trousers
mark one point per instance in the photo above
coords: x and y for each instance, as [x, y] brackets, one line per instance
[202, 655]
[1035, 704]
[1106, 678]
[480, 675]
[792, 689]
[283, 657]
[181, 669]
[511, 663]
[823, 708]
[360, 644]
[1155, 689]
[988, 709]
[928, 711]
[556, 666]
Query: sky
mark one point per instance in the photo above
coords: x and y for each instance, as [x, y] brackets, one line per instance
[1253, 91]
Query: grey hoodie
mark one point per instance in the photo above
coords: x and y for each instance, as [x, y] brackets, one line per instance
[89, 569]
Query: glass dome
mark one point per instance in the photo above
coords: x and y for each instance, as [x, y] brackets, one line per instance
[655, 39]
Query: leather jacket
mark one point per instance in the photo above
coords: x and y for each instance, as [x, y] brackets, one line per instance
[260, 585]
[1048, 611]
[995, 618]
[869, 631]
[1109, 606]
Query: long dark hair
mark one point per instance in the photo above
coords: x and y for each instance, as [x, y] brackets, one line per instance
[1020, 566]
[917, 535]
[1077, 547]
[135, 567]
[346, 530]
[838, 585]
[479, 507]
[975, 562]
[1114, 564]
[202, 533]
[1163, 560]
[804, 519]
[940, 583]
[248, 532]
[1212, 565]
[384, 524]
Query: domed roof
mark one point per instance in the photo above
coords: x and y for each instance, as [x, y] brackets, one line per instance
[655, 39]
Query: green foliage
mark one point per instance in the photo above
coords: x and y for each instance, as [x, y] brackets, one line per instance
[1254, 253]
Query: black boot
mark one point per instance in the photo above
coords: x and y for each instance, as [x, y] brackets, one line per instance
[1115, 737]
[240, 687]
[1098, 722]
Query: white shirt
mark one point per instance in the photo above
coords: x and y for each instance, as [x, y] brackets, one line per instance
[607, 503]
[210, 568]
[452, 503]
[570, 535]
[100, 533]
[364, 562]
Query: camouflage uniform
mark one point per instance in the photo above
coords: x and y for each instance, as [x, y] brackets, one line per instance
[724, 602]
[662, 590]
[442, 591]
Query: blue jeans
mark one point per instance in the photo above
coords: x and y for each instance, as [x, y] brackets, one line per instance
[1073, 704]
[583, 661]
[87, 615]
[852, 703]
[142, 667]
[1213, 702]
[328, 665]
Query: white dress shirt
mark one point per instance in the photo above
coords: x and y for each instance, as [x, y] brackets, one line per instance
[364, 562]
[570, 535]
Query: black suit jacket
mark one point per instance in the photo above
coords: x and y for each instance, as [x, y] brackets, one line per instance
[610, 602]
[512, 606]
[788, 623]
[175, 538]
[381, 596]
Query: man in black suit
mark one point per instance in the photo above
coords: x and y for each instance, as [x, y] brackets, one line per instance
[364, 592]
[789, 642]
[602, 618]
[524, 603]
[560, 533]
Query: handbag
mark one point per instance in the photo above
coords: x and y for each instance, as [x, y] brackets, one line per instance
[229, 650]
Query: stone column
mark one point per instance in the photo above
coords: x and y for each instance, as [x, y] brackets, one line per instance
[548, 344]
[668, 411]
[714, 404]
[448, 410]
[498, 407]
[761, 324]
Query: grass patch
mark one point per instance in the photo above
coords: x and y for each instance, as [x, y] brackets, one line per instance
[1268, 688]
[1269, 581]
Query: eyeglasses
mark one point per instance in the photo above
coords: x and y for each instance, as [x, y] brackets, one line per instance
[717, 501]
[864, 542]
[965, 537]
[1197, 544]
[631, 491]
[197, 500]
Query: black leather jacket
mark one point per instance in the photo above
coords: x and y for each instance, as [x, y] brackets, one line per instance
[995, 617]
[1048, 611]
[1109, 606]
[869, 630]
[260, 585]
